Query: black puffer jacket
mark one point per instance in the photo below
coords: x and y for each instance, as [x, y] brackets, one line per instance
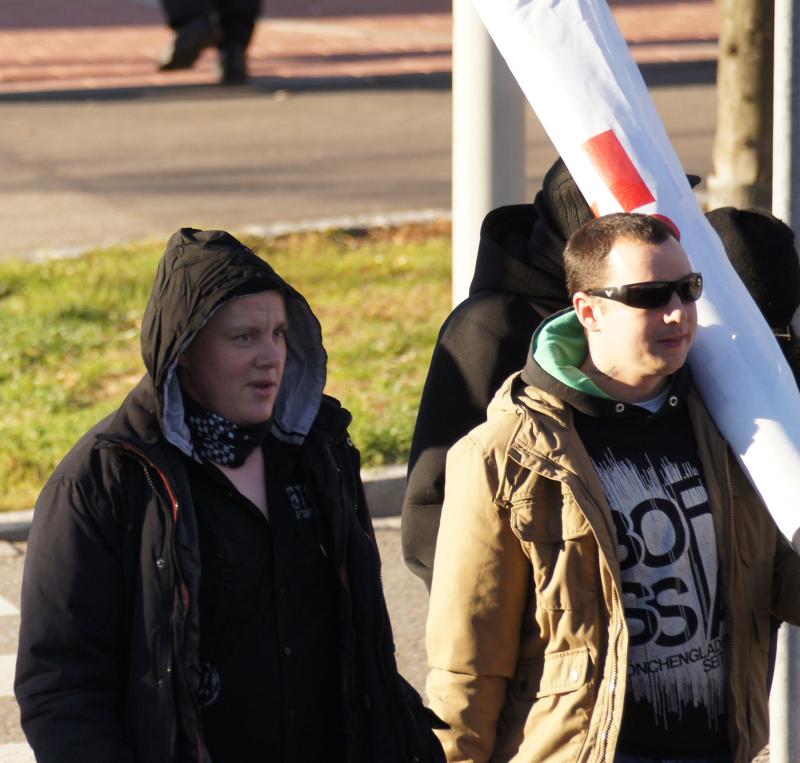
[518, 281]
[108, 655]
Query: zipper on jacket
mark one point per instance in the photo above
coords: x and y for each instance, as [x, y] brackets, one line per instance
[614, 683]
[729, 507]
[147, 467]
[171, 541]
[729, 562]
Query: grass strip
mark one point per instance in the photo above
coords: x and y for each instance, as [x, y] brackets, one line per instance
[69, 351]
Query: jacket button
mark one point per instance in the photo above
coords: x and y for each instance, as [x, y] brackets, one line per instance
[160, 563]
[573, 676]
[673, 401]
[619, 408]
[287, 651]
[160, 683]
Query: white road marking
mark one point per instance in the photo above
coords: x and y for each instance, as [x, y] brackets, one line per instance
[7, 662]
[16, 753]
[386, 523]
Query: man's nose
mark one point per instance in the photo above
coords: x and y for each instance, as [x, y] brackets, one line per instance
[268, 353]
[674, 310]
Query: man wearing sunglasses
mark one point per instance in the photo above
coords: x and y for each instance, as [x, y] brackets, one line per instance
[604, 573]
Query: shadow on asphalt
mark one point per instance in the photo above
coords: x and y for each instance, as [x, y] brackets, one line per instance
[655, 75]
[679, 73]
[269, 86]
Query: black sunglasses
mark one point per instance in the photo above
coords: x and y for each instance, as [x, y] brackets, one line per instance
[649, 294]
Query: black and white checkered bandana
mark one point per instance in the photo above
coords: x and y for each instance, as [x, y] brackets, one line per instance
[218, 439]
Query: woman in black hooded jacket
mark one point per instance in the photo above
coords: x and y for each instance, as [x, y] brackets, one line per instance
[160, 606]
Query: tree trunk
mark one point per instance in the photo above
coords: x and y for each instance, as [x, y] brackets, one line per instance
[742, 153]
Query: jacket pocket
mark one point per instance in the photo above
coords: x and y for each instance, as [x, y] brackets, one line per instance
[547, 709]
[755, 529]
[557, 673]
[562, 549]
[755, 545]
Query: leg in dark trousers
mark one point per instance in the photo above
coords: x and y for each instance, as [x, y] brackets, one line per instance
[179, 13]
[237, 19]
[195, 30]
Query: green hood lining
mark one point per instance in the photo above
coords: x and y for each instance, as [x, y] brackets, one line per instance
[559, 347]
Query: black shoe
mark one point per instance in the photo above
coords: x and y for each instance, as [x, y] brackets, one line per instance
[233, 66]
[190, 40]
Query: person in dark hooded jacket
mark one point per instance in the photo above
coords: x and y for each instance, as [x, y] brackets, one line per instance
[761, 249]
[518, 281]
[202, 581]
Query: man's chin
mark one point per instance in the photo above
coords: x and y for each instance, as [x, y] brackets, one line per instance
[672, 354]
[669, 366]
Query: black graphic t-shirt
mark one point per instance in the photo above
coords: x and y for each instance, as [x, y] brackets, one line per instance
[677, 673]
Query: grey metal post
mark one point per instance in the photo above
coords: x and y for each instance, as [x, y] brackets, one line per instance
[488, 138]
[784, 739]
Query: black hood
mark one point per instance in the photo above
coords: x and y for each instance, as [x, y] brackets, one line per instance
[200, 271]
[521, 247]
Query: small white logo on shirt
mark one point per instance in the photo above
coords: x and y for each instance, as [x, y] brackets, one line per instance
[300, 501]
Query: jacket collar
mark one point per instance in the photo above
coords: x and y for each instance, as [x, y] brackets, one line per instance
[557, 349]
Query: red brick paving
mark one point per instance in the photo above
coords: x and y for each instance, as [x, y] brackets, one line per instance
[47, 45]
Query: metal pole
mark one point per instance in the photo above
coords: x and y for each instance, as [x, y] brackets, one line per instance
[784, 741]
[488, 138]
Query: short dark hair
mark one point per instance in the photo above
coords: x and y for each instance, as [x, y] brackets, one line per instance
[586, 255]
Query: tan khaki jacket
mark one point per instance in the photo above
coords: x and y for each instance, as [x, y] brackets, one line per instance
[526, 635]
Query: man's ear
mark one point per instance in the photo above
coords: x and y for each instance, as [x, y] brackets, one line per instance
[587, 310]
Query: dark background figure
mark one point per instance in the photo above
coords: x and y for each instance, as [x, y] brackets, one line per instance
[518, 281]
[762, 251]
[201, 24]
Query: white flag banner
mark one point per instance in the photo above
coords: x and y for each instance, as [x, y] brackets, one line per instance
[573, 65]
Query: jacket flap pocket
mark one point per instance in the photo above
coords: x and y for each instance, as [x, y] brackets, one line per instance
[564, 671]
[549, 518]
[557, 673]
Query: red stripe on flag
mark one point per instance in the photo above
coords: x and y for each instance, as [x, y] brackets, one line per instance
[616, 169]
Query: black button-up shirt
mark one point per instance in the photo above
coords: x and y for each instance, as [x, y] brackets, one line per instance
[267, 617]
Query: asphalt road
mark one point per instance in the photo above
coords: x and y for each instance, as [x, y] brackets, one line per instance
[80, 172]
